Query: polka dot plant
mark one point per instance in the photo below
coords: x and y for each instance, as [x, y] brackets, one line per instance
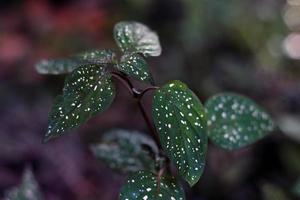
[181, 125]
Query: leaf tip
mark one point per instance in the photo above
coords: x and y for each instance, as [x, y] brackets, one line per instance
[40, 66]
[192, 181]
[48, 136]
[46, 140]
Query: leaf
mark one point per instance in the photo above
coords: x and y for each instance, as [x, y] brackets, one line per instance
[126, 151]
[135, 65]
[145, 185]
[289, 125]
[88, 91]
[97, 56]
[67, 65]
[296, 188]
[137, 38]
[235, 121]
[28, 190]
[179, 118]
[57, 66]
[273, 192]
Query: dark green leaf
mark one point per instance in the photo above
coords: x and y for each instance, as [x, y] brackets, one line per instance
[88, 91]
[28, 190]
[57, 66]
[235, 121]
[98, 56]
[135, 65]
[273, 192]
[138, 38]
[145, 185]
[296, 188]
[126, 151]
[179, 118]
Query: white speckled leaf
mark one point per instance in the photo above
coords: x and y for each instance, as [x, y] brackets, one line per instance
[137, 37]
[144, 185]
[57, 66]
[126, 151]
[179, 118]
[67, 65]
[28, 190]
[97, 56]
[135, 65]
[88, 91]
[234, 121]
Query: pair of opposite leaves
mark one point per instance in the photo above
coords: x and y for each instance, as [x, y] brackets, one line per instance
[183, 123]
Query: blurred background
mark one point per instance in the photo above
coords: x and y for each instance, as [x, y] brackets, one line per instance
[251, 47]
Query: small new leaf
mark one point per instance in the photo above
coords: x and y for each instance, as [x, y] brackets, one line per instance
[135, 65]
[135, 37]
[88, 91]
[179, 118]
[28, 190]
[57, 66]
[126, 151]
[144, 185]
[234, 121]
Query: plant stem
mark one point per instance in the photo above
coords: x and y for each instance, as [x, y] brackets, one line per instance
[138, 95]
[149, 124]
[148, 89]
[125, 81]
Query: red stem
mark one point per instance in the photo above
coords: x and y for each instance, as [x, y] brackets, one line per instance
[139, 95]
[124, 80]
[149, 124]
[148, 89]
